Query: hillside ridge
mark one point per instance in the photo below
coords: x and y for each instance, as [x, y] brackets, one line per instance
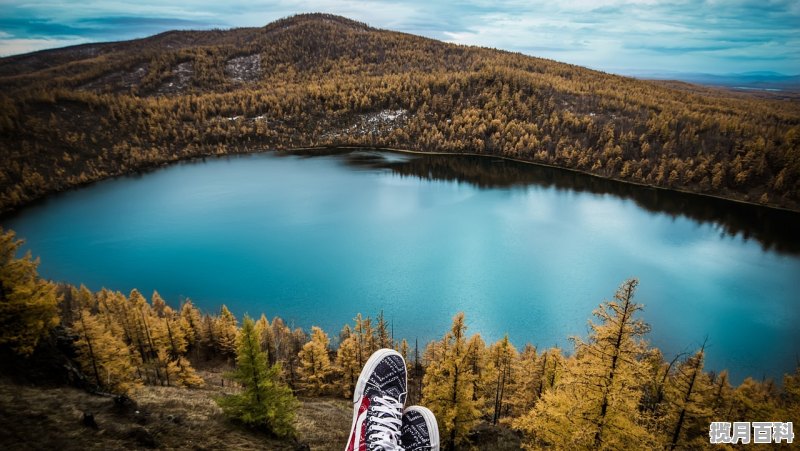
[78, 114]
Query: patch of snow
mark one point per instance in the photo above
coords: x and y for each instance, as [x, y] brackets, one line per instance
[385, 116]
[379, 123]
[179, 80]
[244, 68]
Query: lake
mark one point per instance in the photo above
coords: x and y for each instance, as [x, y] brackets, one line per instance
[523, 250]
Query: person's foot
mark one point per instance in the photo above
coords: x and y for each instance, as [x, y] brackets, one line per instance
[420, 431]
[378, 403]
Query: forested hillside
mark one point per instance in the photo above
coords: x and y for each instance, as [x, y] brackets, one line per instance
[79, 114]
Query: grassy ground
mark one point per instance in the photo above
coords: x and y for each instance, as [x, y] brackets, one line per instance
[161, 417]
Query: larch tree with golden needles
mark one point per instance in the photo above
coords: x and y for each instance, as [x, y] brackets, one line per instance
[595, 403]
[191, 324]
[382, 332]
[688, 396]
[265, 400]
[103, 356]
[225, 332]
[498, 376]
[347, 364]
[449, 385]
[315, 364]
[179, 369]
[523, 389]
[791, 399]
[266, 337]
[28, 304]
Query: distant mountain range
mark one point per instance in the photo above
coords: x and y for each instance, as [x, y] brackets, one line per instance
[766, 81]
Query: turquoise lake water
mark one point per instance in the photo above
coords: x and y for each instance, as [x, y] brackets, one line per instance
[522, 250]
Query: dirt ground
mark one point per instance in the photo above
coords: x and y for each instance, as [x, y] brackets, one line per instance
[65, 418]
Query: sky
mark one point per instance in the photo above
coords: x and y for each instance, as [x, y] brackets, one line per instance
[632, 37]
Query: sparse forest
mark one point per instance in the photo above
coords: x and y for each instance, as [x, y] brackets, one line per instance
[611, 391]
[80, 114]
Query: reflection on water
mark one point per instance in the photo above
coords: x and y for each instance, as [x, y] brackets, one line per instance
[773, 229]
[523, 250]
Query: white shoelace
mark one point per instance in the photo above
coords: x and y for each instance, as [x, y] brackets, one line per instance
[384, 431]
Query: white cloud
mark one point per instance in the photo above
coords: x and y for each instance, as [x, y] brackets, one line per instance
[18, 46]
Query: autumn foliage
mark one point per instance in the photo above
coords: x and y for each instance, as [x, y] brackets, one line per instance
[80, 114]
[613, 391]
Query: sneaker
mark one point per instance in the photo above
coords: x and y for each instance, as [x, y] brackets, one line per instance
[420, 431]
[378, 403]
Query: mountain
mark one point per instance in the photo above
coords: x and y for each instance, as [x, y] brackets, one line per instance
[80, 114]
[766, 80]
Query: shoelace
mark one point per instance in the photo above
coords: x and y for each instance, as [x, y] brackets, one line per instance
[383, 432]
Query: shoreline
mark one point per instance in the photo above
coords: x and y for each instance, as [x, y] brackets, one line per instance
[10, 212]
[534, 163]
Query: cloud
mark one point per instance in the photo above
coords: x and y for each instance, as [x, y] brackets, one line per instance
[17, 46]
[613, 35]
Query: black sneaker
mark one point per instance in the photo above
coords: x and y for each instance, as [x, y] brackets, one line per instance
[420, 431]
[378, 403]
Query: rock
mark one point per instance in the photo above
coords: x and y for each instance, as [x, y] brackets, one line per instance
[141, 417]
[177, 419]
[143, 437]
[88, 420]
[124, 405]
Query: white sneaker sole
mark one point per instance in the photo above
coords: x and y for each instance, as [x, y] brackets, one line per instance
[361, 385]
[430, 422]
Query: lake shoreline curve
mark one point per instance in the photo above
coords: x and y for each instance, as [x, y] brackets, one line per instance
[12, 210]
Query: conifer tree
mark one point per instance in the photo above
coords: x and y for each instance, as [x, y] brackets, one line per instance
[382, 339]
[282, 336]
[84, 299]
[158, 304]
[178, 368]
[656, 380]
[102, 355]
[791, 398]
[225, 332]
[552, 364]
[523, 388]
[347, 363]
[358, 333]
[689, 408]
[266, 338]
[264, 400]
[477, 359]
[315, 364]
[754, 399]
[192, 324]
[415, 374]
[721, 395]
[148, 337]
[403, 350]
[184, 375]
[208, 336]
[28, 304]
[498, 376]
[594, 404]
[366, 338]
[449, 384]
[297, 339]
